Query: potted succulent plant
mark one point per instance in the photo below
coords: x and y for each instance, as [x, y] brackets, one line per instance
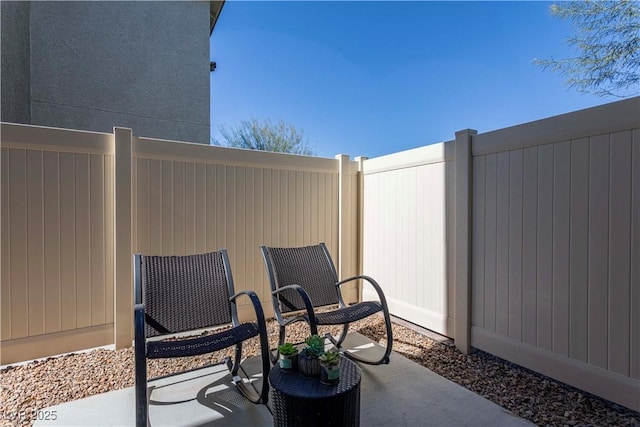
[308, 362]
[330, 364]
[288, 357]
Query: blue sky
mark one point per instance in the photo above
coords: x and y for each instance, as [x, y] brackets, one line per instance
[372, 78]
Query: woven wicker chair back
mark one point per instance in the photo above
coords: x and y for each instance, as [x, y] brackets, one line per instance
[183, 293]
[308, 267]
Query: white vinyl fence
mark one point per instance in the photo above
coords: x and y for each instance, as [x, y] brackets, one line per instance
[408, 206]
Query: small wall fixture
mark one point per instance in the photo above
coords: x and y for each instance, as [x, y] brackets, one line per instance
[212, 66]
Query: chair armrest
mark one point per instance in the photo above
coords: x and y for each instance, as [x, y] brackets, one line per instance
[264, 339]
[257, 308]
[255, 301]
[307, 304]
[138, 322]
[303, 294]
[371, 281]
[140, 344]
[251, 294]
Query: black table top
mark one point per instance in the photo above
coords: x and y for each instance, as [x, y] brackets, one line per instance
[295, 384]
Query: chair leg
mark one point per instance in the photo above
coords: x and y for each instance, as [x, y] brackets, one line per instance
[345, 329]
[281, 337]
[389, 347]
[238, 376]
[140, 360]
[247, 388]
[387, 323]
[142, 405]
[313, 326]
[236, 359]
[266, 366]
[338, 342]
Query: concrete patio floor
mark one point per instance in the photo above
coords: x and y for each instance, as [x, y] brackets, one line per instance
[402, 393]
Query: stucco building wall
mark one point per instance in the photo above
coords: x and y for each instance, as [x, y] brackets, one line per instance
[14, 72]
[96, 65]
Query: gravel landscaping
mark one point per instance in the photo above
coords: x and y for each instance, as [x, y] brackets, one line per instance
[529, 395]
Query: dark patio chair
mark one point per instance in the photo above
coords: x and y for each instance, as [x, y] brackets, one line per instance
[176, 294]
[305, 278]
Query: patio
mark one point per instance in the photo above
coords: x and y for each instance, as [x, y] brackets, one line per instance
[400, 394]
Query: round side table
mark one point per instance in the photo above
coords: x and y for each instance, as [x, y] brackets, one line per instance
[298, 400]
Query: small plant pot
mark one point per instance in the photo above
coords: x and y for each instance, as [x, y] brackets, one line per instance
[330, 374]
[288, 362]
[309, 366]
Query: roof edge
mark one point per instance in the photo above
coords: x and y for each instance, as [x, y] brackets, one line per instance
[215, 7]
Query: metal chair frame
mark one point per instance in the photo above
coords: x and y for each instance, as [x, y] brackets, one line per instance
[344, 314]
[145, 327]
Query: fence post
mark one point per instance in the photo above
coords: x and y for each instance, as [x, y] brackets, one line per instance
[344, 224]
[122, 217]
[360, 221]
[463, 240]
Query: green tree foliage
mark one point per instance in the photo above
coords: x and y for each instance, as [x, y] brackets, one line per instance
[266, 136]
[606, 36]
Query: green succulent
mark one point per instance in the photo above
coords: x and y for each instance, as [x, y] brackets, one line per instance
[330, 358]
[287, 349]
[315, 346]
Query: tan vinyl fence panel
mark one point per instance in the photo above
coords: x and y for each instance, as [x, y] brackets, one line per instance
[556, 248]
[191, 198]
[56, 245]
[77, 205]
[408, 204]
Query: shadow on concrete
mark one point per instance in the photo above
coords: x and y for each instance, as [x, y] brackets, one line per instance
[401, 393]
